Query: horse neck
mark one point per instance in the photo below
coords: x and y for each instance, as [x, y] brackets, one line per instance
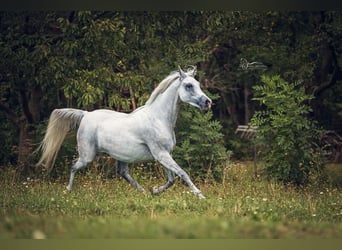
[165, 107]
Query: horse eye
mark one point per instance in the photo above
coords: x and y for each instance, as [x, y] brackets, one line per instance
[188, 86]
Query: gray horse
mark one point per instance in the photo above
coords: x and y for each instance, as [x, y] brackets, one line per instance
[145, 134]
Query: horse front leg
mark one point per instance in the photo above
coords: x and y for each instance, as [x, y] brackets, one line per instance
[169, 183]
[122, 169]
[169, 163]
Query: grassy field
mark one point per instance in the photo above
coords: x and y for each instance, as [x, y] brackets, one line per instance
[239, 207]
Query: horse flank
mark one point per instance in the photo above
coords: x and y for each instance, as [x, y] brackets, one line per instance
[60, 123]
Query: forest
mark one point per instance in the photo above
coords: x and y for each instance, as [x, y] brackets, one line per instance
[113, 60]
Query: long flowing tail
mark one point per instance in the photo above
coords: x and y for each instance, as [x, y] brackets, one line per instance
[61, 122]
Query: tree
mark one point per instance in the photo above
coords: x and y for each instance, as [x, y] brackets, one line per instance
[86, 60]
[25, 72]
[298, 46]
[287, 136]
[103, 59]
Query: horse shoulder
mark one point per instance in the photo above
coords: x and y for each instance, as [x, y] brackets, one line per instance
[160, 135]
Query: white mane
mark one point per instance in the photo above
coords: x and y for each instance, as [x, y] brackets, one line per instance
[164, 84]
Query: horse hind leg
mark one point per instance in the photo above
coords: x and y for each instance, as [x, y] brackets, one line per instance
[122, 169]
[169, 183]
[77, 166]
[85, 158]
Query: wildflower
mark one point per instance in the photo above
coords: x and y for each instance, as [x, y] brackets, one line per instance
[39, 235]
[313, 215]
[264, 199]
[321, 193]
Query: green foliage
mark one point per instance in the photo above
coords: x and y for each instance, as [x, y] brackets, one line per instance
[200, 146]
[103, 59]
[285, 132]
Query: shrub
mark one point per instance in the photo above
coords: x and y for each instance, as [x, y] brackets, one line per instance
[200, 145]
[285, 132]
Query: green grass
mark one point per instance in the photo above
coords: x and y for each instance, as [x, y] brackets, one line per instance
[239, 207]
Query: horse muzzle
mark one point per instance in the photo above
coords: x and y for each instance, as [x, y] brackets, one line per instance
[205, 103]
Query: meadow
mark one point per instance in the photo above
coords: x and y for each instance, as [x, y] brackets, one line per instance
[239, 206]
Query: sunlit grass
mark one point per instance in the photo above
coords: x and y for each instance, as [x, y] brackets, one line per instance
[237, 207]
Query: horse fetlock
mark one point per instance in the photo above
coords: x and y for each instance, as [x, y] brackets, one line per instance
[142, 190]
[200, 195]
[154, 190]
[69, 188]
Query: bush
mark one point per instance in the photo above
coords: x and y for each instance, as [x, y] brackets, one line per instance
[286, 134]
[200, 145]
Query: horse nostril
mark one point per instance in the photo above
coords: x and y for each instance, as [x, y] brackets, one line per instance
[204, 103]
[208, 103]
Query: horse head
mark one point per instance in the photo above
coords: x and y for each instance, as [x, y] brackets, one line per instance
[190, 90]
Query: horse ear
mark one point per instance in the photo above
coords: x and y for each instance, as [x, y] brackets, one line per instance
[193, 70]
[182, 74]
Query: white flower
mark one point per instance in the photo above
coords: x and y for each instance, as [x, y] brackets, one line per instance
[38, 235]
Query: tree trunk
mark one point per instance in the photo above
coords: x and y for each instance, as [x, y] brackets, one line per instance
[25, 147]
[31, 116]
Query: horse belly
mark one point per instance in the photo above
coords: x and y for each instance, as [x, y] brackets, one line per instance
[126, 153]
[124, 149]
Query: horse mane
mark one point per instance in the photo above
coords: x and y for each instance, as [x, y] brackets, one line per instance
[164, 84]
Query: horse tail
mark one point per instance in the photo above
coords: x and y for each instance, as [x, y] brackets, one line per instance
[61, 122]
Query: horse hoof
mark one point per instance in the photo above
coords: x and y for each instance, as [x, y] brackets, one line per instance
[154, 190]
[200, 196]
